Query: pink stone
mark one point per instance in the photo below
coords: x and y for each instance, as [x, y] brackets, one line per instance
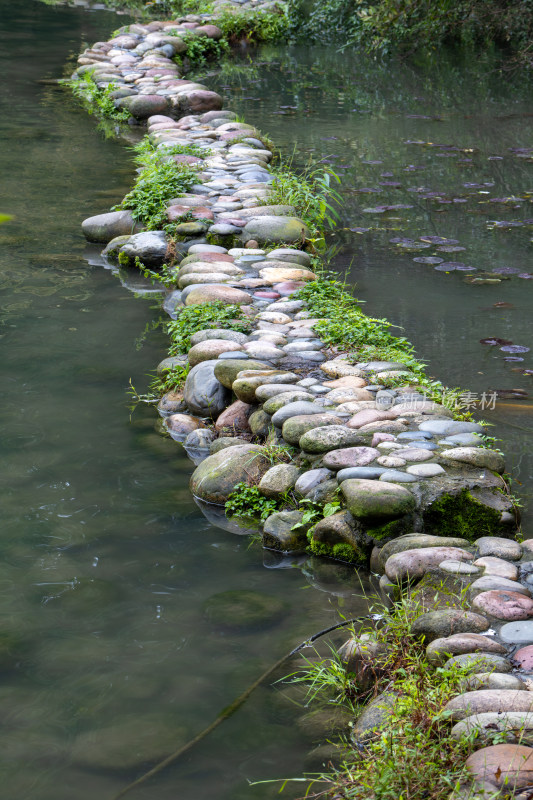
[288, 287]
[366, 416]
[273, 295]
[524, 658]
[504, 605]
[235, 416]
[184, 159]
[350, 457]
[382, 437]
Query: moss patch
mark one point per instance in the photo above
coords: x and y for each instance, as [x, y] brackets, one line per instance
[340, 552]
[462, 515]
[392, 529]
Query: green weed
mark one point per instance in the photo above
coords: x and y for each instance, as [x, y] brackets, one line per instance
[95, 100]
[312, 193]
[200, 317]
[247, 501]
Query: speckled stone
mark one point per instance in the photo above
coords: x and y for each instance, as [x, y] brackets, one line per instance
[505, 765]
[524, 658]
[497, 546]
[504, 605]
[497, 566]
[517, 632]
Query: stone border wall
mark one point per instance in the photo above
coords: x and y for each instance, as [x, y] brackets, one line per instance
[401, 468]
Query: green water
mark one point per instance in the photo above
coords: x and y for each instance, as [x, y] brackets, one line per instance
[106, 560]
[348, 111]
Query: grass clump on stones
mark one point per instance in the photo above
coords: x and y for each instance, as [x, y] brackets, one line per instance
[96, 100]
[196, 318]
[312, 193]
[407, 750]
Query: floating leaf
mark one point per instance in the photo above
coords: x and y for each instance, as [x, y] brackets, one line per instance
[452, 264]
[506, 270]
[527, 276]
[493, 341]
[438, 240]
[401, 239]
[450, 249]
[514, 348]
[513, 358]
[428, 260]
[444, 268]
[359, 230]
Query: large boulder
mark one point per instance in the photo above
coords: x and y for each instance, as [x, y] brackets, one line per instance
[216, 477]
[226, 370]
[376, 500]
[104, 227]
[204, 395]
[150, 247]
[276, 229]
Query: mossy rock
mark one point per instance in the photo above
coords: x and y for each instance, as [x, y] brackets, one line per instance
[462, 515]
[242, 610]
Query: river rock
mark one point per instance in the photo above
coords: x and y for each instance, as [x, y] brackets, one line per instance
[210, 350]
[180, 425]
[217, 334]
[447, 621]
[484, 700]
[507, 766]
[376, 500]
[374, 717]
[295, 427]
[216, 477]
[226, 441]
[369, 473]
[488, 582]
[150, 247]
[425, 470]
[499, 547]
[412, 541]
[235, 417]
[290, 255]
[276, 229]
[497, 566]
[299, 408]
[200, 439]
[279, 479]
[364, 658]
[260, 423]
[332, 437]
[460, 643]
[226, 371]
[171, 403]
[516, 726]
[273, 275]
[411, 565]
[504, 605]
[517, 632]
[310, 479]
[524, 658]
[492, 680]
[480, 662]
[102, 228]
[278, 533]
[142, 106]
[216, 292]
[441, 427]
[350, 457]
[203, 393]
[476, 457]
[274, 403]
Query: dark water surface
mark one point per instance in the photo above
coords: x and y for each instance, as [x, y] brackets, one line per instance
[106, 562]
[455, 126]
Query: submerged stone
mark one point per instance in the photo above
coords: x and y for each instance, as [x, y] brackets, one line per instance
[216, 477]
[240, 609]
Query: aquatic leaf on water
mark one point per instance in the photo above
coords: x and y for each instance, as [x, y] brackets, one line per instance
[401, 239]
[466, 268]
[513, 358]
[428, 260]
[502, 304]
[444, 268]
[506, 270]
[514, 348]
[391, 184]
[386, 175]
[359, 230]
[438, 240]
[450, 249]
[493, 341]
[485, 185]
[528, 372]
[413, 245]
[492, 223]
[452, 264]
[527, 276]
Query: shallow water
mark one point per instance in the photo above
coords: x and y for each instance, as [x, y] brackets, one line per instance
[106, 560]
[453, 126]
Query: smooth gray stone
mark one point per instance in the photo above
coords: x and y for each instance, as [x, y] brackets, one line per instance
[150, 247]
[380, 366]
[414, 436]
[203, 393]
[293, 409]
[395, 476]
[310, 479]
[465, 439]
[224, 229]
[301, 347]
[207, 248]
[313, 356]
[290, 255]
[424, 445]
[450, 427]
[240, 354]
[370, 473]
[385, 398]
[517, 632]
[489, 582]
[217, 333]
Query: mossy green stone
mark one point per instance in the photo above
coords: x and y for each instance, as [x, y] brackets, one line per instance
[377, 499]
[295, 427]
[227, 369]
[216, 477]
[462, 515]
[241, 609]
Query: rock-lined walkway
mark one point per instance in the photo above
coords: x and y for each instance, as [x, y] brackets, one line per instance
[494, 639]
[361, 432]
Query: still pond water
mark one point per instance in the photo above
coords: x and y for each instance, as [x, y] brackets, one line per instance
[106, 561]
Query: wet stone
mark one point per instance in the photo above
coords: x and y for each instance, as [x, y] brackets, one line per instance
[350, 457]
[370, 473]
[497, 566]
[499, 547]
[241, 609]
[447, 621]
[333, 437]
[488, 582]
[462, 643]
[278, 532]
[395, 476]
[310, 479]
[492, 680]
[458, 568]
[413, 564]
[480, 662]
